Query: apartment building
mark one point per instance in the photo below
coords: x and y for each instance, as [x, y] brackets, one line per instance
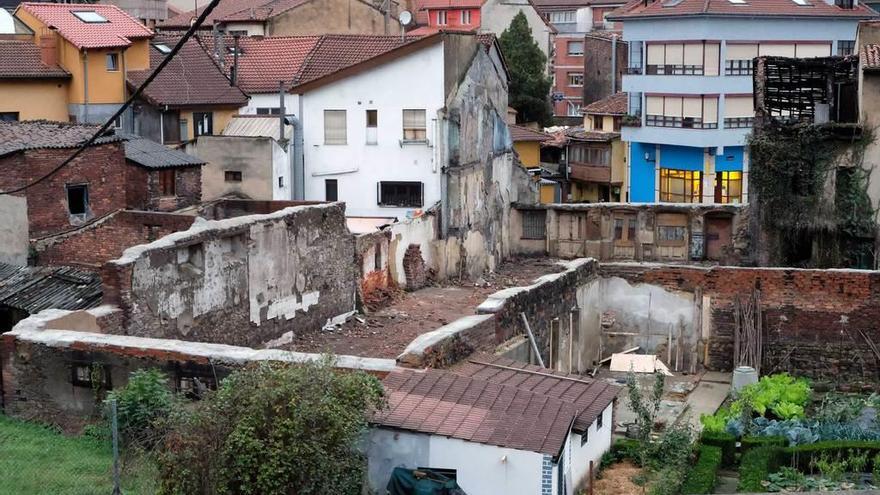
[573, 20]
[689, 81]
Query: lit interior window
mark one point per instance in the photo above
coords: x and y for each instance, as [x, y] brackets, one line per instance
[89, 16]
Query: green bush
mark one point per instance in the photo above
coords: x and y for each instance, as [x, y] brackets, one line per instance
[625, 449]
[143, 401]
[701, 478]
[755, 466]
[726, 442]
[802, 455]
[748, 443]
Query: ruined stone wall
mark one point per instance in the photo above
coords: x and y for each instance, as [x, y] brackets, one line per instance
[94, 244]
[240, 281]
[372, 257]
[638, 232]
[816, 322]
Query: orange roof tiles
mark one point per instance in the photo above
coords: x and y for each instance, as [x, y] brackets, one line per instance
[21, 59]
[520, 133]
[118, 31]
[263, 62]
[870, 55]
[615, 104]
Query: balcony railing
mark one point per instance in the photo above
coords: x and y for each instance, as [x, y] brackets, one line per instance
[738, 122]
[738, 68]
[675, 70]
[634, 71]
[680, 122]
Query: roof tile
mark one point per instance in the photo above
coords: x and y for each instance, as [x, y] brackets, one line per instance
[787, 8]
[118, 31]
[21, 59]
[36, 134]
[615, 104]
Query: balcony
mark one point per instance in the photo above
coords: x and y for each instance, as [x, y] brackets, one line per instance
[738, 68]
[679, 122]
[739, 122]
[675, 70]
[590, 173]
[634, 71]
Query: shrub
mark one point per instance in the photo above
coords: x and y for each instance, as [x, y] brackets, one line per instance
[625, 449]
[724, 441]
[145, 399]
[755, 466]
[804, 457]
[701, 478]
[748, 443]
[875, 471]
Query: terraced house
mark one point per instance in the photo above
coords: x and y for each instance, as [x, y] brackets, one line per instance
[689, 82]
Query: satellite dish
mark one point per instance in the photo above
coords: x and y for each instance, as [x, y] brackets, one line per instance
[405, 17]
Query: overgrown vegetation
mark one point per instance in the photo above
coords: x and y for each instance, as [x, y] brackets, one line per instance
[272, 429]
[141, 406]
[701, 477]
[775, 396]
[529, 84]
[792, 167]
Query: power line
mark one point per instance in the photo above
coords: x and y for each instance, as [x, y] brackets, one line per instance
[100, 132]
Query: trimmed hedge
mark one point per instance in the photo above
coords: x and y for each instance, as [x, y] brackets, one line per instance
[701, 478]
[726, 442]
[748, 443]
[755, 466]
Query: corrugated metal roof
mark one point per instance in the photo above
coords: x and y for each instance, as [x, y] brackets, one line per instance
[256, 126]
[151, 154]
[35, 288]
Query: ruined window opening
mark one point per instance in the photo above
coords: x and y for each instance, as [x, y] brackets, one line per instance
[534, 224]
[78, 199]
[152, 232]
[401, 194]
[331, 190]
[88, 375]
[618, 229]
[192, 257]
[232, 176]
[415, 127]
[632, 229]
[377, 258]
[167, 182]
[8, 116]
[280, 181]
[194, 387]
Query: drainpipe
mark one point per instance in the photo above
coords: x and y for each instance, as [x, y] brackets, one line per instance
[299, 172]
[613, 64]
[86, 86]
[281, 113]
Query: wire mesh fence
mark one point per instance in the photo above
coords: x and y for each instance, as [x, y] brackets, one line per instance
[36, 459]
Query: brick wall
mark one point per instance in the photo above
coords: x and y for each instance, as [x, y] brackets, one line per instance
[106, 239]
[372, 256]
[188, 189]
[597, 68]
[101, 167]
[814, 320]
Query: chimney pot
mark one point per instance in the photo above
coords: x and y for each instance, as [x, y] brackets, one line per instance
[48, 50]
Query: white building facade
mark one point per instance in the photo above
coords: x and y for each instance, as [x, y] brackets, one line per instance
[689, 82]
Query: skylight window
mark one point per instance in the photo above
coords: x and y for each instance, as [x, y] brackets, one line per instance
[90, 16]
[671, 3]
[162, 47]
[737, 2]
[802, 3]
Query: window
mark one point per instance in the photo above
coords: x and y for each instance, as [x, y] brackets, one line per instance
[465, 17]
[635, 57]
[162, 47]
[574, 109]
[590, 155]
[634, 106]
[372, 126]
[89, 374]
[192, 256]
[739, 112]
[689, 112]
[563, 17]
[268, 111]
[232, 176]
[845, 47]
[681, 186]
[204, 123]
[414, 125]
[8, 116]
[331, 190]
[728, 187]
[534, 224]
[441, 17]
[112, 62]
[624, 230]
[280, 181]
[575, 79]
[575, 47]
[670, 233]
[688, 59]
[167, 179]
[335, 127]
[585, 437]
[599, 420]
[78, 199]
[89, 16]
[400, 194]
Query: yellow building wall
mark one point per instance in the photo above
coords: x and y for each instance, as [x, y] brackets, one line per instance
[618, 162]
[35, 99]
[529, 152]
[548, 193]
[222, 116]
[137, 56]
[584, 192]
[608, 123]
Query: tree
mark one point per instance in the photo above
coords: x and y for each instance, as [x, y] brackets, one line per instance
[273, 429]
[529, 85]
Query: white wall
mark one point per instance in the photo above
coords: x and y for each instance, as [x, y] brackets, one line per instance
[579, 456]
[14, 239]
[270, 100]
[281, 168]
[414, 81]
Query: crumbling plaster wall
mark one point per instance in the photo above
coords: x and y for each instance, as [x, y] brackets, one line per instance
[13, 230]
[240, 281]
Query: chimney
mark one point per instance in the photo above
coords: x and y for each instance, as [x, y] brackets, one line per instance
[48, 50]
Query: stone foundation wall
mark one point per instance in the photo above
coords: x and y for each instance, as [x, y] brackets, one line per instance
[816, 322]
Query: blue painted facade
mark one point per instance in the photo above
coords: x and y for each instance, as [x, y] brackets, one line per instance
[643, 172]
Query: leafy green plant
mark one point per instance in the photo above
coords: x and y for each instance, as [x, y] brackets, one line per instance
[715, 423]
[140, 405]
[875, 472]
[839, 408]
[645, 409]
[787, 410]
[829, 466]
[701, 478]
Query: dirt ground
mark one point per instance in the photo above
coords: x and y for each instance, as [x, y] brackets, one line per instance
[617, 480]
[386, 333]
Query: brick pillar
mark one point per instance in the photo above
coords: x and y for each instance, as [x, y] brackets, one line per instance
[414, 268]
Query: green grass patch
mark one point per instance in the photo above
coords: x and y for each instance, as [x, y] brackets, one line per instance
[35, 459]
[701, 478]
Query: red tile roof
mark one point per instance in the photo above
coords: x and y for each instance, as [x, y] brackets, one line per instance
[263, 62]
[223, 9]
[870, 57]
[21, 59]
[118, 31]
[786, 8]
[615, 104]
[590, 397]
[452, 405]
[265, 11]
[519, 133]
[192, 78]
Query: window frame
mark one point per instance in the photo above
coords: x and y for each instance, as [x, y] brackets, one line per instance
[327, 184]
[200, 118]
[15, 116]
[442, 18]
[383, 201]
[85, 188]
[575, 43]
[423, 128]
[692, 177]
[114, 57]
[342, 138]
[570, 76]
[167, 178]
[723, 180]
[232, 176]
[465, 17]
[77, 381]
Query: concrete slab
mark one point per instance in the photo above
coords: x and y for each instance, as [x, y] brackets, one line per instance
[717, 377]
[705, 399]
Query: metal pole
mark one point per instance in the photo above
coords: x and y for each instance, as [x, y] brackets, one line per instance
[532, 340]
[114, 427]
